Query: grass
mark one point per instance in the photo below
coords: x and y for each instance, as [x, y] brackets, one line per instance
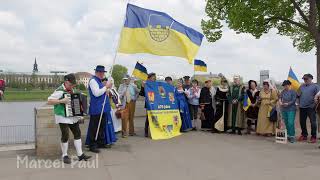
[33, 95]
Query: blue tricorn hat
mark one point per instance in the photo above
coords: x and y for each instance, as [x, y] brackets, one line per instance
[100, 68]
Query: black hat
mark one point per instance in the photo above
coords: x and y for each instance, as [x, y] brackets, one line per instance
[186, 77]
[168, 78]
[100, 68]
[286, 82]
[71, 78]
[307, 76]
[151, 74]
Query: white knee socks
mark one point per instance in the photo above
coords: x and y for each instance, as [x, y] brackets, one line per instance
[78, 146]
[64, 149]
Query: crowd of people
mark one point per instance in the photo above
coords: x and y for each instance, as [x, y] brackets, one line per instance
[221, 109]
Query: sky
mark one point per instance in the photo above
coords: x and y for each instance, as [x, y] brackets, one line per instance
[76, 35]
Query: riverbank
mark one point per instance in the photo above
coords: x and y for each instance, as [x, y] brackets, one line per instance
[20, 95]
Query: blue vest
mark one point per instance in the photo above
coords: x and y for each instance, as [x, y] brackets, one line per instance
[96, 102]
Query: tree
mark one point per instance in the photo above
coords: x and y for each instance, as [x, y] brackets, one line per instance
[117, 73]
[297, 19]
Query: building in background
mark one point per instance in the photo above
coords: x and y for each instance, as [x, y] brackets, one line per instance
[83, 78]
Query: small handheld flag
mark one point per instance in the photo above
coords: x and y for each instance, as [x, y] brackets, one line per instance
[246, 102]
[200, 66]
[154, 32]
[294, 80]
[140, 72]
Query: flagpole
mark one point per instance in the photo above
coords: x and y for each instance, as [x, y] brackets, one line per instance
[110, 74]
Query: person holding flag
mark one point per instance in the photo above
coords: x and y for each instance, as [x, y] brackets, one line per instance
[98, 89]
[250, 105]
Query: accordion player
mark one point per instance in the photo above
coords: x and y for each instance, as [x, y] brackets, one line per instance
[77, 104]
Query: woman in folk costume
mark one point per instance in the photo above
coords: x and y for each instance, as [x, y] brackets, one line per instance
[268, 99]
[114, 102]
[180, 94]
[236, 113]
[252, 112]
[208, 104]
[222, 103]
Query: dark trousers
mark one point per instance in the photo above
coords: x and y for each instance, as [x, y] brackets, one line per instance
[146, 126]
[311, 113]
[209, 115]
[193, 111]
[65, 131]
[93, 126]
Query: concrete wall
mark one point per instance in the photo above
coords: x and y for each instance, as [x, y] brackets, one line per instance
[48, 133]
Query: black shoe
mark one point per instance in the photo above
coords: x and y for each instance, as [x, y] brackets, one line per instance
[239, 133]
[94, 150]
[233, 132]
[194, 129]
[66, 160]
[84, 157]
[104, 146]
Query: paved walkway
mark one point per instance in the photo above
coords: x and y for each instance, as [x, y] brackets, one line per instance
[191, 156]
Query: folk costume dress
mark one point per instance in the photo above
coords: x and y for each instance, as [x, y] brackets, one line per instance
[236, 113]
[222, 105]
[252, 112]
[268, 101]
[207, 100]
[184, 110]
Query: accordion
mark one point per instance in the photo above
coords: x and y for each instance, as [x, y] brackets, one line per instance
[76, 106]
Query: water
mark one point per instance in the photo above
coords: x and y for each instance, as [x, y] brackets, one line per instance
[17, 122]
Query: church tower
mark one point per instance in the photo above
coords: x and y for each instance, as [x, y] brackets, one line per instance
[35, 66]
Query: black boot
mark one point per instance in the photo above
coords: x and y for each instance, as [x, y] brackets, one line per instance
[66, 160]
[84, 157]
[94, 150]
[239, 132]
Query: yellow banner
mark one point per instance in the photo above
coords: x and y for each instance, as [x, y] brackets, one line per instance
[164, 124]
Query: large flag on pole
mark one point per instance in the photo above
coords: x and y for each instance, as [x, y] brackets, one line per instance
[294, 80]
[154, 32]
[200, 66]
[140, 72]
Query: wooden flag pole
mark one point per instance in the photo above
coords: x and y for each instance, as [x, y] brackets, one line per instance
[110, 74]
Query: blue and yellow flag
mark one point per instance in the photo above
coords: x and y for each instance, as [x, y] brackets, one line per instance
[200, 66]
[154, 32]
[140, 72]
[246, 102]
[294, 80]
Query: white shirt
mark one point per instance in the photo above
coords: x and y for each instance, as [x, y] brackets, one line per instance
[56, 95]
[96, 91]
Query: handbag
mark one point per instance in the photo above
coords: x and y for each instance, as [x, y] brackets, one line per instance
[118, 114]
[273, 115]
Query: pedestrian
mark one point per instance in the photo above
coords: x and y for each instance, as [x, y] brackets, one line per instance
[115, 103]
[267, 99]
[151, 77]
[306, 94]
[2, 88]
[207, 105]
[236, 113]
[65, 123]
[180, 94]
[222, 102]
[288, 109]
[253, 110]
[187, 83]
[193, 99]
[98, 90]
[128, 95]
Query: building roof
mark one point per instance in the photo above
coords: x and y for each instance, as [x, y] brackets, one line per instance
[83, 74]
